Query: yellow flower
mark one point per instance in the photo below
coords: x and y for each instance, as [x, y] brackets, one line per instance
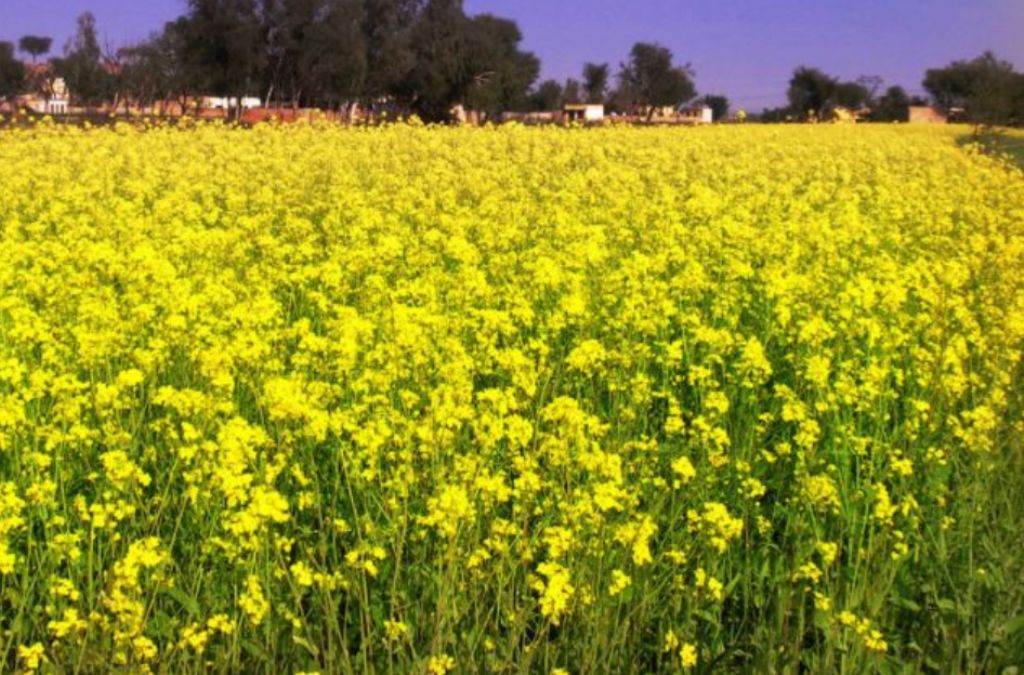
[683, 470]
[253, 602]
[394, 630]
[688, 656]
[620, 582]
[32, 656]
[441, 665]
[302, 574]
[555, 589]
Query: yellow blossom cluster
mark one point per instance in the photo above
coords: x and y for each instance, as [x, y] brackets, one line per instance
[410, 399]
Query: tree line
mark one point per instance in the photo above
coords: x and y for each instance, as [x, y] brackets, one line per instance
[985, 90]
[424, 57]
[404, 56]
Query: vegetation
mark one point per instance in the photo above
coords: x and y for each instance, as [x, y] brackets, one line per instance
[596, 81]
[12, 73]
[428, 58]
[650, 80]
[35, 45]
[365, 399]
[985, 90]
[82, 66]
[719, 106]
[811, 93]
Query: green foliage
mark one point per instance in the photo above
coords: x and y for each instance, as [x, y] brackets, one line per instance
[83, 66]
[650, 80]
[501, 72]
[549, 96]
[12, 72]
[853, 95]
[719, 106]
[35, 45]
[810, 91]
[986, 90]
[892, 106]
[596, 78]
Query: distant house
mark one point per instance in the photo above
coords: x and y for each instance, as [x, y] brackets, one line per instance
[925, 114]
[699, 114]
[229, 103]
[657, 113]
[590, 113]
[843, 115]
[47, 93]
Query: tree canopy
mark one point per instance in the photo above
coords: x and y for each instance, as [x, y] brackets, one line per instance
[719, 106]
[892, 106]
[82, 66]
[35, 45]
[649, 79]
[12, 72]
[596, 78]
[427, 57]
[986, 89]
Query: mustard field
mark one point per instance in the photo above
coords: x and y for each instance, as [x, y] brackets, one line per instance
[509, 400]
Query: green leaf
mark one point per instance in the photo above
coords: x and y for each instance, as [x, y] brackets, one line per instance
[946, 605]
[161, 625]
[190, 604]
[707, 616]
[1013, 626]
[255, 650]
[307, 645]
[909, 604]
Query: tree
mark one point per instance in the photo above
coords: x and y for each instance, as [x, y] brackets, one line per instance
[222, 47]
[334, 60]
[501, 74]
[35, 45]
[440, 77]
[596, 77]
[719, 106]
[315, 51]
[154, 71]
[893, 106]
[810, 91]
[984, 88]
[872, 84]
[776, 115]
[12, 73]
[651, 80]
[387, 29]
[286, 28]
[1018, 100]
[852, 95]
[547, 97]
[82, 66]
[571, 92]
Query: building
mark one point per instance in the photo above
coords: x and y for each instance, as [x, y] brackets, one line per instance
[699, 114]
[229, 103]
[925, 114]
[47, 93]
[843, 115]
[587, 113]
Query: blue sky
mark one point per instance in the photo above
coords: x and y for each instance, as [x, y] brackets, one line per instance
[743, 48]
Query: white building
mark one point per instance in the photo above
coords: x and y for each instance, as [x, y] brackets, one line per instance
[699, 114]
[590, 113]
[48, 94]
[230, 103]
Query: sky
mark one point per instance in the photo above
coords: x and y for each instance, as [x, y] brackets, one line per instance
[745, 49]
